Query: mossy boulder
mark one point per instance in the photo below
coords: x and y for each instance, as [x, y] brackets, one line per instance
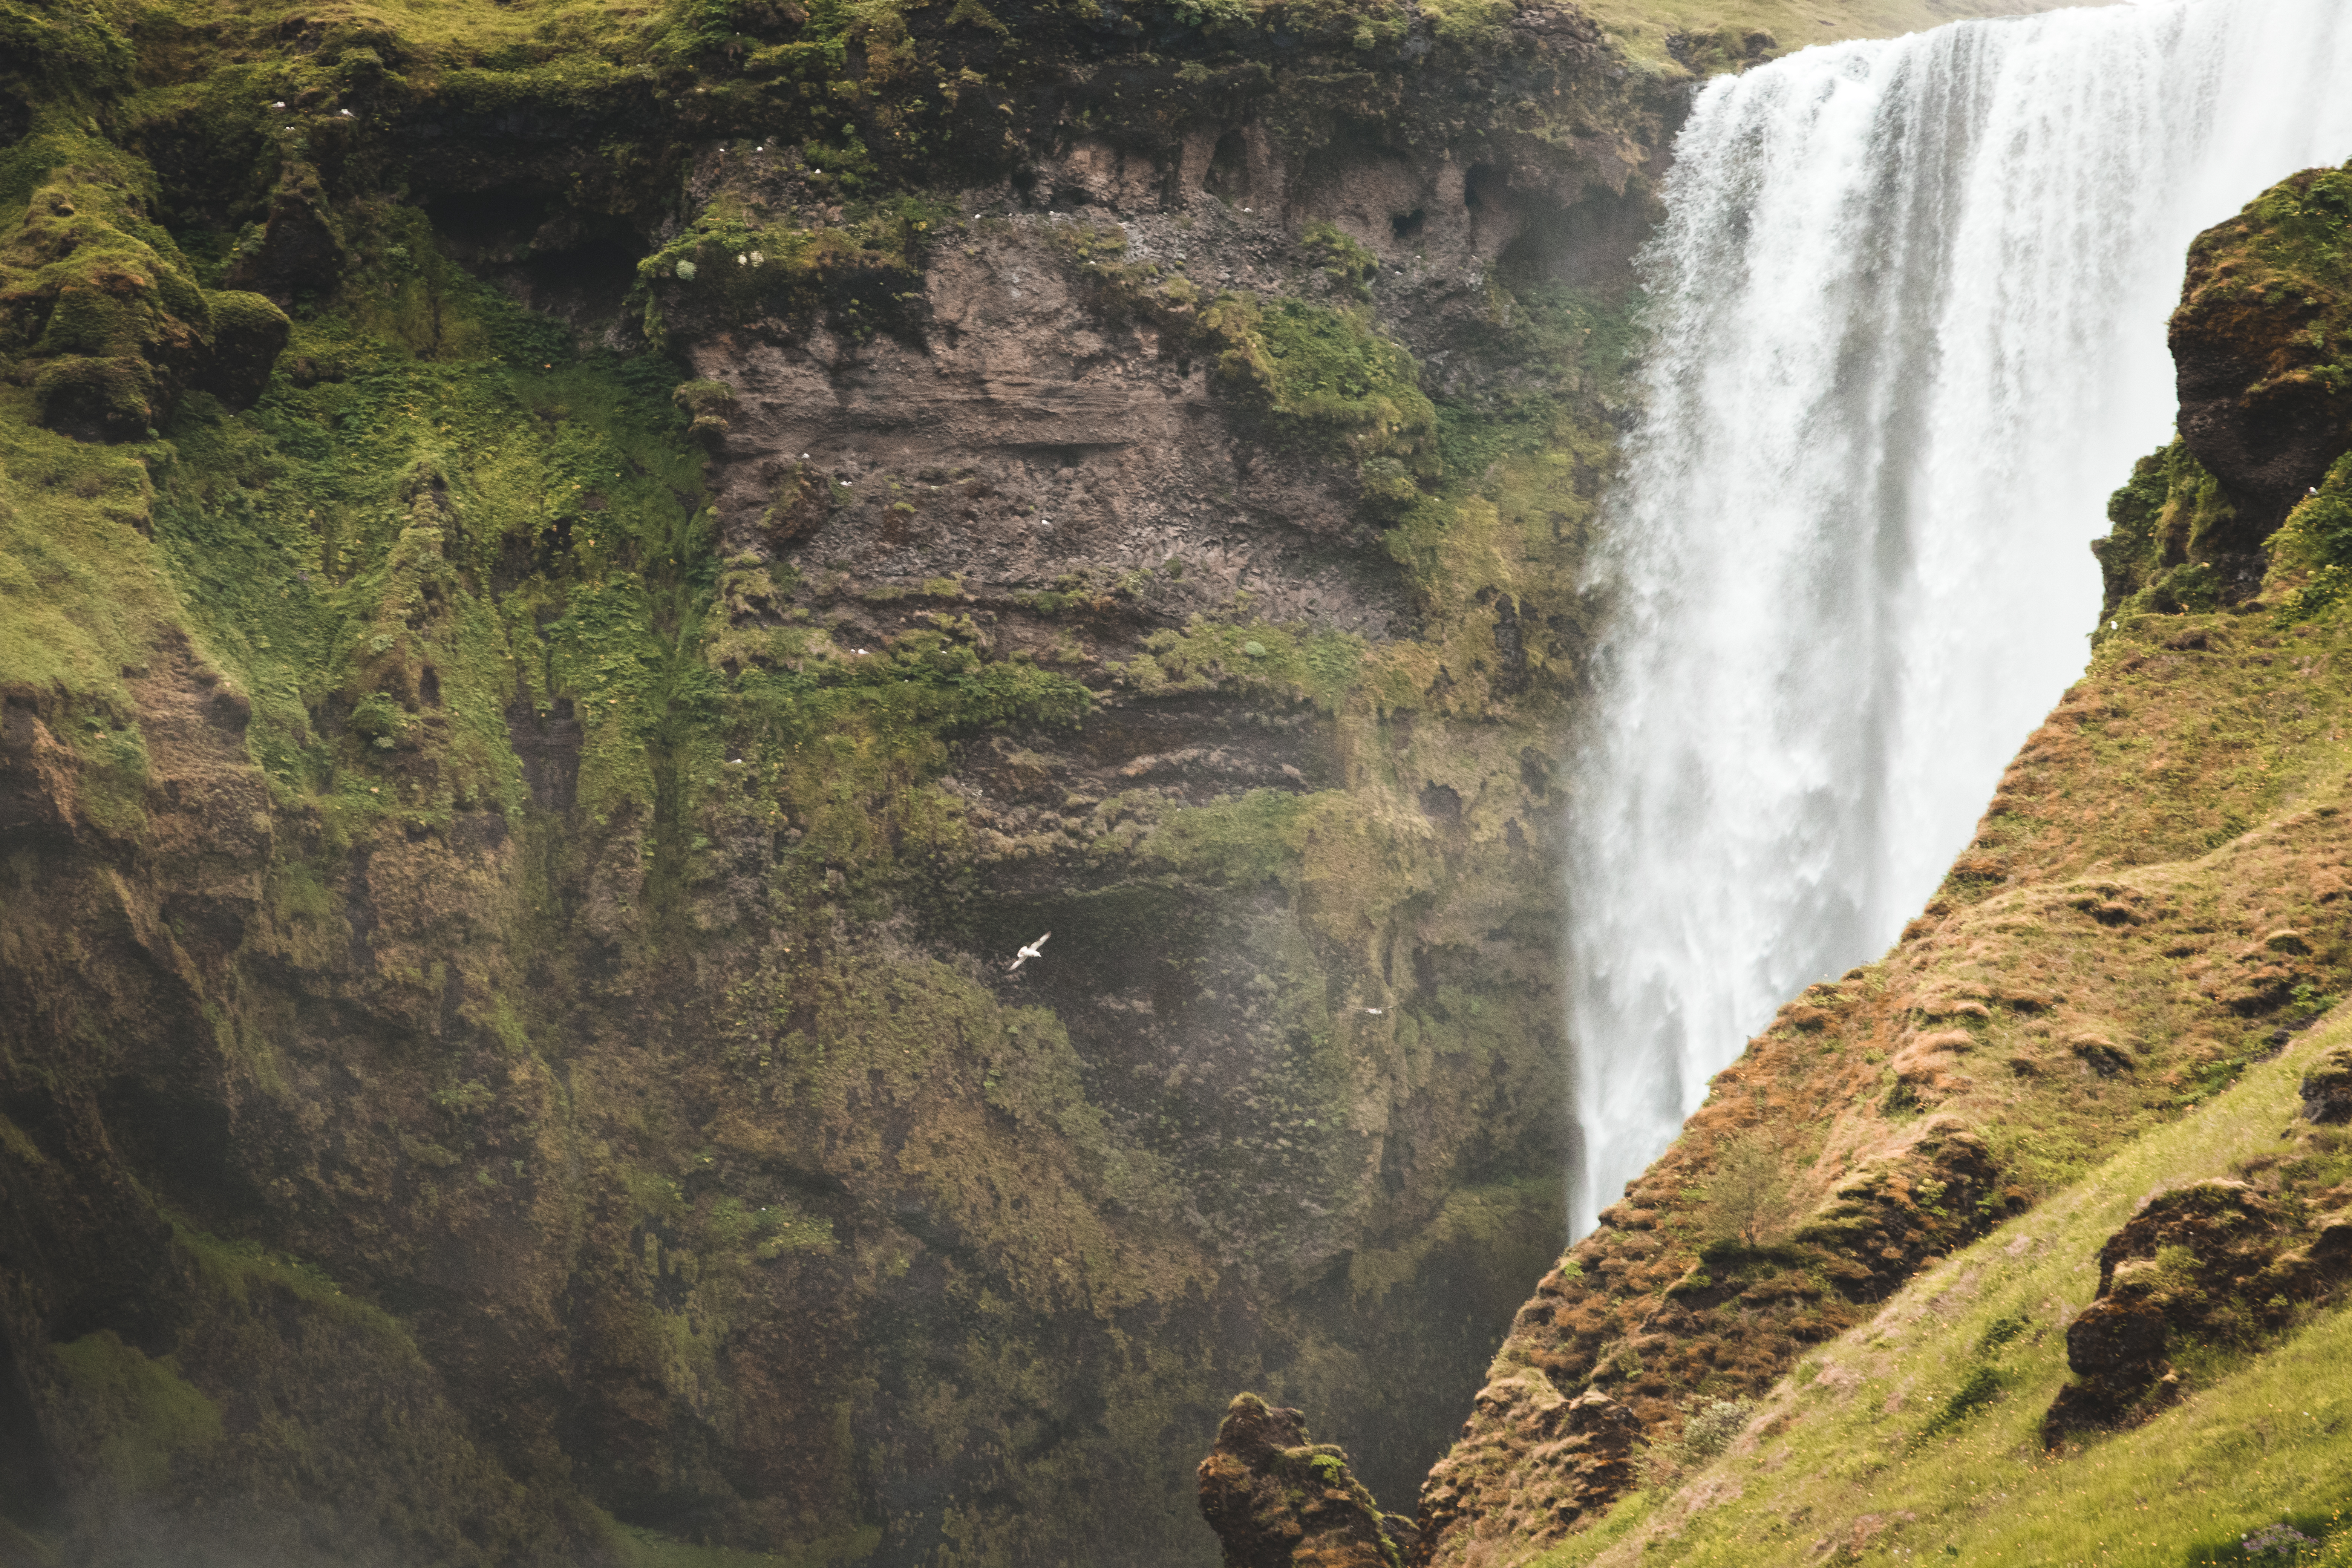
[2260, 342]
[1276, 1499]
[99, 308]
[2327, 1089]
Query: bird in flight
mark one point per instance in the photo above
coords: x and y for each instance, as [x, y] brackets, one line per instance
[1034, 950]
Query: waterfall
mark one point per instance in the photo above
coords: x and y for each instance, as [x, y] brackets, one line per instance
[1909, 309]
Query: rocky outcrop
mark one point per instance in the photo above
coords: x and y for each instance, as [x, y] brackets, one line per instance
[1573, 1459]
[1277, 1501]
[2259, 324]
[1652, 1309]
[2217, 1259]
[2328, 1089]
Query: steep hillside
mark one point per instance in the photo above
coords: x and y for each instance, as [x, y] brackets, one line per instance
[2015, 1245]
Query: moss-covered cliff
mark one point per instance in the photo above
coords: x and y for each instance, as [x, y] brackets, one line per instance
[2028, 1243]
[573, 580]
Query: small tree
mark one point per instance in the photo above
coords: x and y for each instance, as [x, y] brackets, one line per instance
[1747, 1200]
[1711, 1427]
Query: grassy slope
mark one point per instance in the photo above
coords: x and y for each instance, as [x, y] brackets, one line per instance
[1640, 26]
[1841, 1440]
[2108, 956]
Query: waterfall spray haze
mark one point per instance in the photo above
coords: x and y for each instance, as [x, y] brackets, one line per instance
[1909, 309]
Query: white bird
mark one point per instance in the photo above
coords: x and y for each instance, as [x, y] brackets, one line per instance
[280, 103]
[347, 114]
[1034, 950]
[1376, 1011]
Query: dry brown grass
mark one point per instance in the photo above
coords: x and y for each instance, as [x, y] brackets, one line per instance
[2155, 898]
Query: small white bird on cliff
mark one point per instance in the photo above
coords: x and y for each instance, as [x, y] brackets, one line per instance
[1034, 950]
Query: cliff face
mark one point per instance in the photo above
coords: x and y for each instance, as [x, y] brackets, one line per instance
[573, 587]
[2089, 1051]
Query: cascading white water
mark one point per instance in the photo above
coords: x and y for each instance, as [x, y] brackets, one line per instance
[1908, 307]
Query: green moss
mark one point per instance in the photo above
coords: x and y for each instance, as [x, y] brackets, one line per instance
[2287, 249]
[142, 1416]
[1250, 838]
[1323, 377]
[95, 298]
[73, 45]
[641, 1548]
[731, 265]
[1252, 658]
[2164, 525]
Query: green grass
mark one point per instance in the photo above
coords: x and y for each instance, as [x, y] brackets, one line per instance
[1927, 1417]
[1640, 26]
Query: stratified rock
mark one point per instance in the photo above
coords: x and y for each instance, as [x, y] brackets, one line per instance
[1276, 1499]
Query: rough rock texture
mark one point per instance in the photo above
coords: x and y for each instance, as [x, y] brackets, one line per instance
[2219, 1260]
[2328, 1089]
[1277, 1501]
[506, 1049]
[2263, 316]
[509, 866]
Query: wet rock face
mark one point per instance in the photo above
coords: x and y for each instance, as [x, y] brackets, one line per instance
[2254, 330]
[1021, 423]
[685, 1115]
[1276, 1501]
[1023, 442]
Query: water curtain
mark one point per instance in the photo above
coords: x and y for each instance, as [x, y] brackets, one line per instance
[1909, 307]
